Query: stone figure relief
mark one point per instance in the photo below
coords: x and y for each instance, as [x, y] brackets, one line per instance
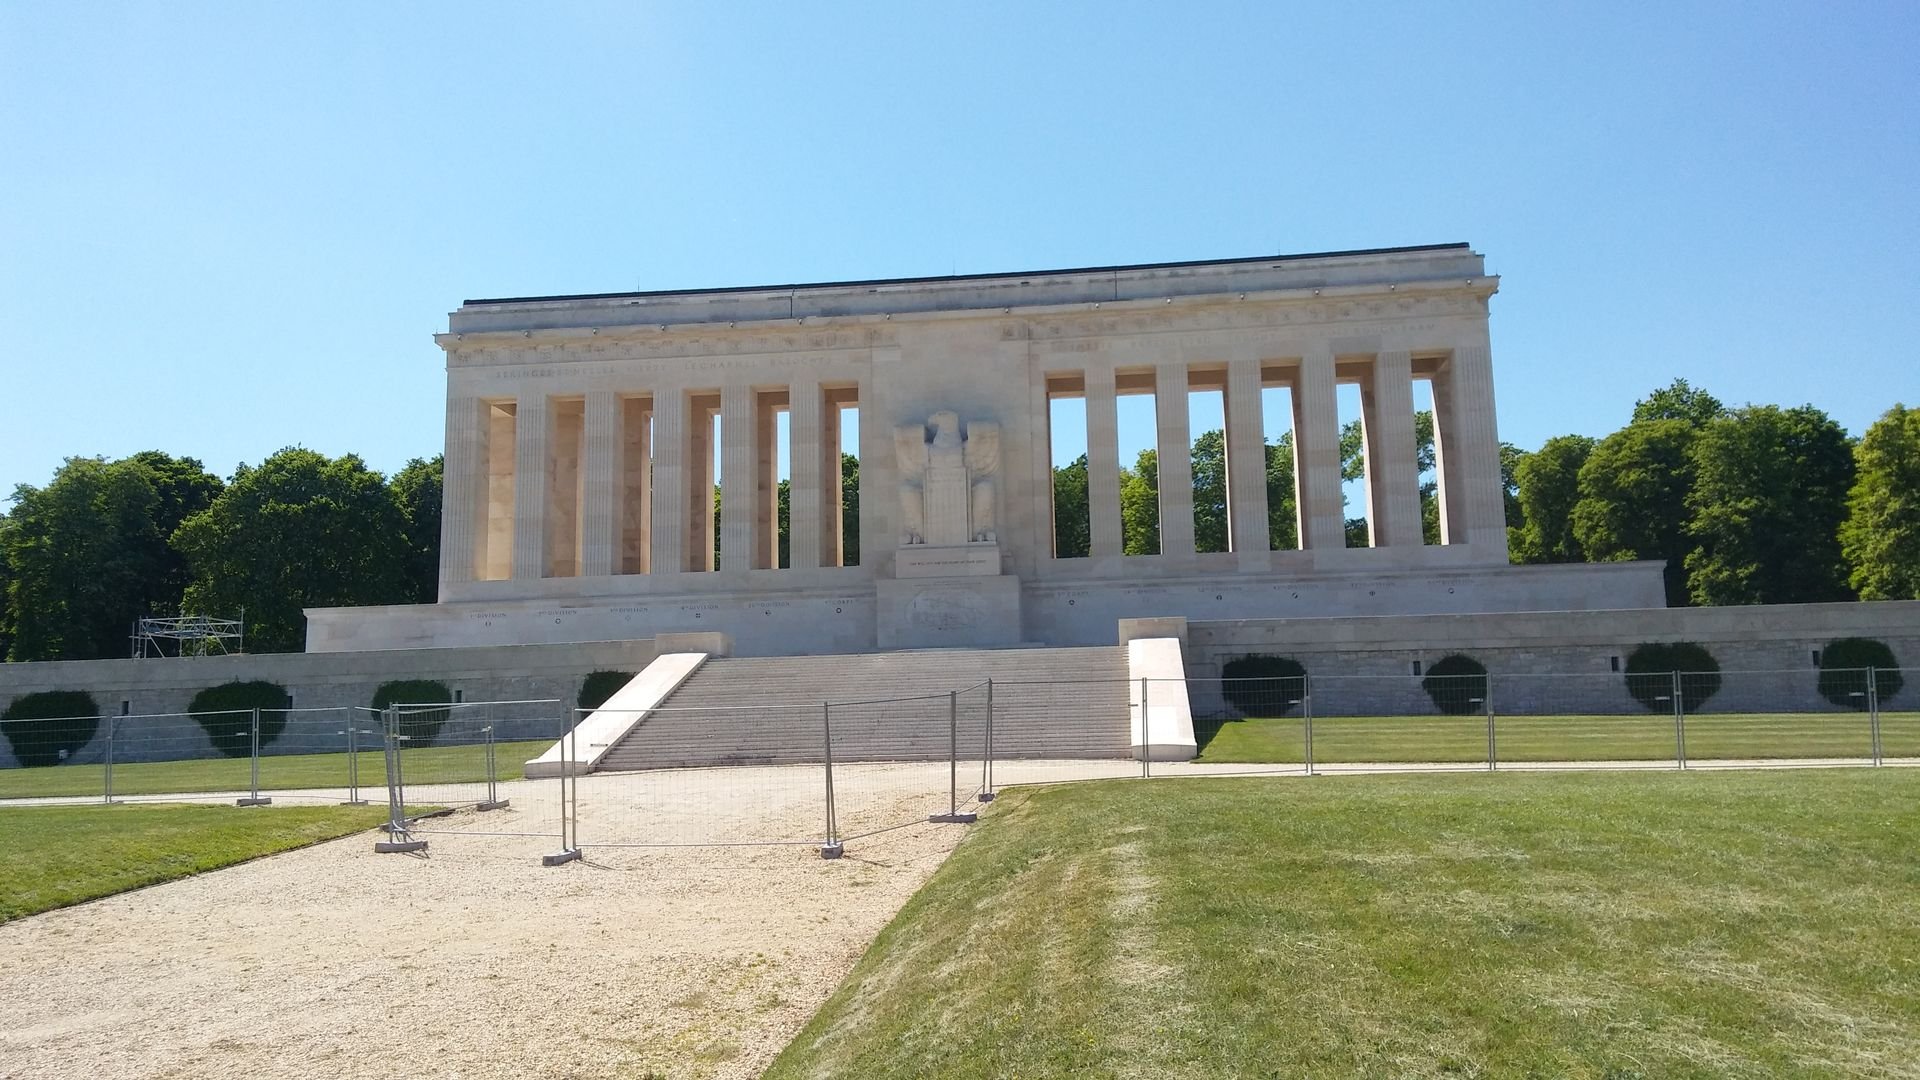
[946, 480]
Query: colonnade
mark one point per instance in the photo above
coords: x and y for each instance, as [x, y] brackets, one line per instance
[1466, 447]
[604, 482]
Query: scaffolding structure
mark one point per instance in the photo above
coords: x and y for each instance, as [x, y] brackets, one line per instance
[188, 635]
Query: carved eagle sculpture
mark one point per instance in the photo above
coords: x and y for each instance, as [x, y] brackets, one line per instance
[914, 445]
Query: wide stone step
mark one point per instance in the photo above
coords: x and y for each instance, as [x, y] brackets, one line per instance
[890, 707]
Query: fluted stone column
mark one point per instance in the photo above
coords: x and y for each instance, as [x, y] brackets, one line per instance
[602, 513]
[738, 511]
[804, 488]
[766, 480]
[634, 554]
[1316, 447]
[532, 420]
[1393, 476]
[668, 536]
[1103, 463]
[1246, 465]
[501, 424]
[463, 494]
[1175, 456]
[1472, 498]
[697, 491]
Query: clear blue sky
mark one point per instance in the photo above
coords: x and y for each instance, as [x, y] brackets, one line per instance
[227, 231]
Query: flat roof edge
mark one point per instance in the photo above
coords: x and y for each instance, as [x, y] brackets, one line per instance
[875, 282]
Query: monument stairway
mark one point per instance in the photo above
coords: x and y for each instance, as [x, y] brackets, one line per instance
[1048, 703]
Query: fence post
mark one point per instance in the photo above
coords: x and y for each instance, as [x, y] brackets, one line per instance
[832, 848]
[493, 800]
[1486, 693]
[397, 841]
[253, 764]
[1306, 712]
[353, 760]
[986, 758]
[1146, 730]
[1873, 711]
[107, 791]
[953, 816]
[569, 775]
[1679, 725]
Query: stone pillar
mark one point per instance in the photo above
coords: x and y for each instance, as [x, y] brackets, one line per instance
[566, 435]
[1472, 499]
[603, 480]
[668, 534]
[738, 507]
[879, 473]
[698, 492]
[463, 494]
[1393, 476]
[1246, 465]
[833, 540]
[1103, 463]
[501, 423]
[805, 459]
[766, 479]
[1316, 450]
[532, 419]
[634, 469]
[1175, 457]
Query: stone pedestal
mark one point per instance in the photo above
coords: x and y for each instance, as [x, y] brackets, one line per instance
[948, 612]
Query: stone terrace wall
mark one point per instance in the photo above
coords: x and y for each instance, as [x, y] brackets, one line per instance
[315, 680]
[1775, 643]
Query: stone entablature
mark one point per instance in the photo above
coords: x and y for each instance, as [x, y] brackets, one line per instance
[580, 452]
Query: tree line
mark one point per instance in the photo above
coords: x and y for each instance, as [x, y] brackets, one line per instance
[1754, 505]
[107, 542]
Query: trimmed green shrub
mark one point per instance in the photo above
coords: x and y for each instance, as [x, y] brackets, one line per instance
[1263, 685]
[48, 727]
[420, 727]
[1457, 684]
[600, 686]
[1843, 676]
[231, 731]
[1650, 669]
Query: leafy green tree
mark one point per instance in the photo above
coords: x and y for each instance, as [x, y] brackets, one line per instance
[6, 593]
[1209, 461]
[1140, 506]
[716, 528]
[83, 553]
[1881, 536]
[298, 530]
[783, 510]
[419, 727]
[1549, 481]
[1678, 401]
[416, 488]
[1768, 498]
[1633, 498]
[850, 510]
[182, 487]
[225, 713]
[1283, 518]
[1510, 458]
[1072, 530]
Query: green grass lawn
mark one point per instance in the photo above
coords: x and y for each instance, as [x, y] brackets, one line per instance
[1644, 737]
[423, 765]
[1575, 925]
[52, 856]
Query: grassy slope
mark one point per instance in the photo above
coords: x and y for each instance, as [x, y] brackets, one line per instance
[52, 856]
[1597, 925]
[1558, 738]
[424, 765]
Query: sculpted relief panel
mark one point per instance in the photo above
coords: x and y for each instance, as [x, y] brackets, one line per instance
[947, 480]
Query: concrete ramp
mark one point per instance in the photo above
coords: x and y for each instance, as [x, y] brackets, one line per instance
[626, 709]
[1162, 730]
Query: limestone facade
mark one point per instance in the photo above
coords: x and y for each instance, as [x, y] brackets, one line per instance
[581, 457]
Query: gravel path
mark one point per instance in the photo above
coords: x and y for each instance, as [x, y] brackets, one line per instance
[475, 961]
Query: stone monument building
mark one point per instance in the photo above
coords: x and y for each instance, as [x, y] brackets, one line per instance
[584, 435]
